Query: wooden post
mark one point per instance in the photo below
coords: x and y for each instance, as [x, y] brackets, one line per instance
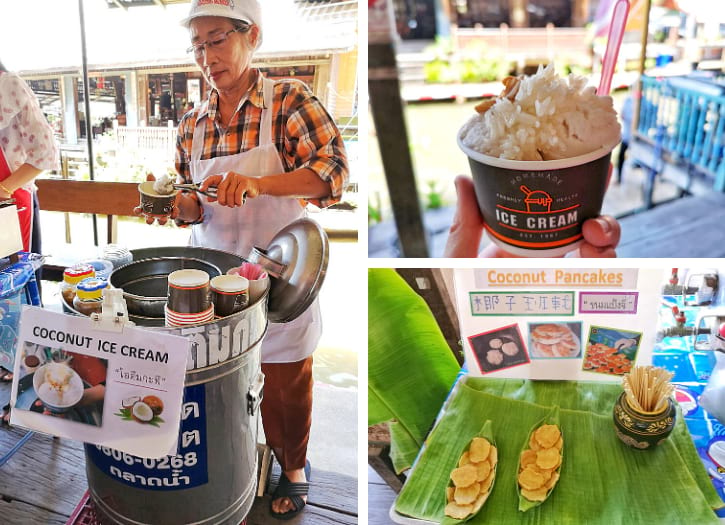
[387, 110]
[65, 174]
[518, 13]
[142, 98]
[579, 13]
[430, 284]
[76, 109]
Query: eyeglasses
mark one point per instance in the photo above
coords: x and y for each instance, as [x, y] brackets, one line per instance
[200, 48]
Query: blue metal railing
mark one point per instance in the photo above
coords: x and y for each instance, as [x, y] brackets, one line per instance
[685, 118]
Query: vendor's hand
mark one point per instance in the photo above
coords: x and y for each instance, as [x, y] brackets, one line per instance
[232, 188]
[138, 210]
[601, 234]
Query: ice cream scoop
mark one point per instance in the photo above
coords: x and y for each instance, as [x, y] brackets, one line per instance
[209, 192]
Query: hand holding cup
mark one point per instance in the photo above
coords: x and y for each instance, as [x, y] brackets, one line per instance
[184, 206]
[601, 234]
[154, 206]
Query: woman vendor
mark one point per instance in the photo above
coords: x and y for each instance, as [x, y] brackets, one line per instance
[27, 147]
[270, 148]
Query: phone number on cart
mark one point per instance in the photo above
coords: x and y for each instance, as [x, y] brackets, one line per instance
[167, 462]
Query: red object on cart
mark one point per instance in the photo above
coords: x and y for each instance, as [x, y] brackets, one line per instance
[23, 201]
[674, 278]
[84, 513]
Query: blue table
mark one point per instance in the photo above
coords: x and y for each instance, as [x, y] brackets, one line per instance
[692, 371]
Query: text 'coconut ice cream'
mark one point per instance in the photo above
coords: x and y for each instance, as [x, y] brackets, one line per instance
[543, 117]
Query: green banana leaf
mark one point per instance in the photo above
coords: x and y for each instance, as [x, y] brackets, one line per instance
[552, 418]
[485, 432]
[410, 366]
[603, 481]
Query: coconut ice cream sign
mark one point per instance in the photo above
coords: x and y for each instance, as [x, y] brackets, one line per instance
[120, 390]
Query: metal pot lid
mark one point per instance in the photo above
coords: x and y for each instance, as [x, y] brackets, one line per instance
[296, 261]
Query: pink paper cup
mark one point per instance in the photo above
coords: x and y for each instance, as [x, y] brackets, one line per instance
[537, 208]
[248, 270]
[257, 277]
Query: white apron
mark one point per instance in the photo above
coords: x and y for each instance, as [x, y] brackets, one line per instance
[238, 230]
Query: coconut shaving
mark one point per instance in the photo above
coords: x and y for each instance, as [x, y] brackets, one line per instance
[164, 185]
[543, 117]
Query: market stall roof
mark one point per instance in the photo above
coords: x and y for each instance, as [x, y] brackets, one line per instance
[152, 37]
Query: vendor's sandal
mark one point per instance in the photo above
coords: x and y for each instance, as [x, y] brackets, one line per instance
[5, 417]
[293, 491]
[5, 375]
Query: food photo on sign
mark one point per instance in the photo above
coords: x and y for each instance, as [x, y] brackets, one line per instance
[569, 374]
[499, 348]
[555, 340]
[63, 384]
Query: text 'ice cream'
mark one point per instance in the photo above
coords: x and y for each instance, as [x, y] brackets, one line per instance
[543, 117]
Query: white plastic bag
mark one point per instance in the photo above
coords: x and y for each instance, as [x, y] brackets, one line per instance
[712, 398]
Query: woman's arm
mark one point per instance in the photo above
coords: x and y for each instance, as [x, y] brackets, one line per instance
[17, 179]
[301, 183]
[93, 394]
[32, 147]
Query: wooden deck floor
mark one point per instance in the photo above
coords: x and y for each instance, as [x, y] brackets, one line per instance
[44, 481]
[688, 227]
[380, 499]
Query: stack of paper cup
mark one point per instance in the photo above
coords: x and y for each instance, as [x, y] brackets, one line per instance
[189, 299]
[179, 319]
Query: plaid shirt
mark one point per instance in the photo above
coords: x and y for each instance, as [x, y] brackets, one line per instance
[304, 134]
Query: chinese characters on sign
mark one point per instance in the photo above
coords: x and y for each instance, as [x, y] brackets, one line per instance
[522, 303]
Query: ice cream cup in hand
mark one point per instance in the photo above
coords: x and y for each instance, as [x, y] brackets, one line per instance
[153, 203]
[537, 208]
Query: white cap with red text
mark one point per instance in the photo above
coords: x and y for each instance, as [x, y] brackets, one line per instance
[248, 11]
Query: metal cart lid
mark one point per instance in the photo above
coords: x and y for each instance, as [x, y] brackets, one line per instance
[296, 261]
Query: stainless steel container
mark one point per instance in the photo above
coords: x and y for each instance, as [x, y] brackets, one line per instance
[707, 325]
[212, 478]
[145, 282]
[703, 284]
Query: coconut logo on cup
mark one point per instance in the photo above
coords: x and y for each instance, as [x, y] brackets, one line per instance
[537, 217]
